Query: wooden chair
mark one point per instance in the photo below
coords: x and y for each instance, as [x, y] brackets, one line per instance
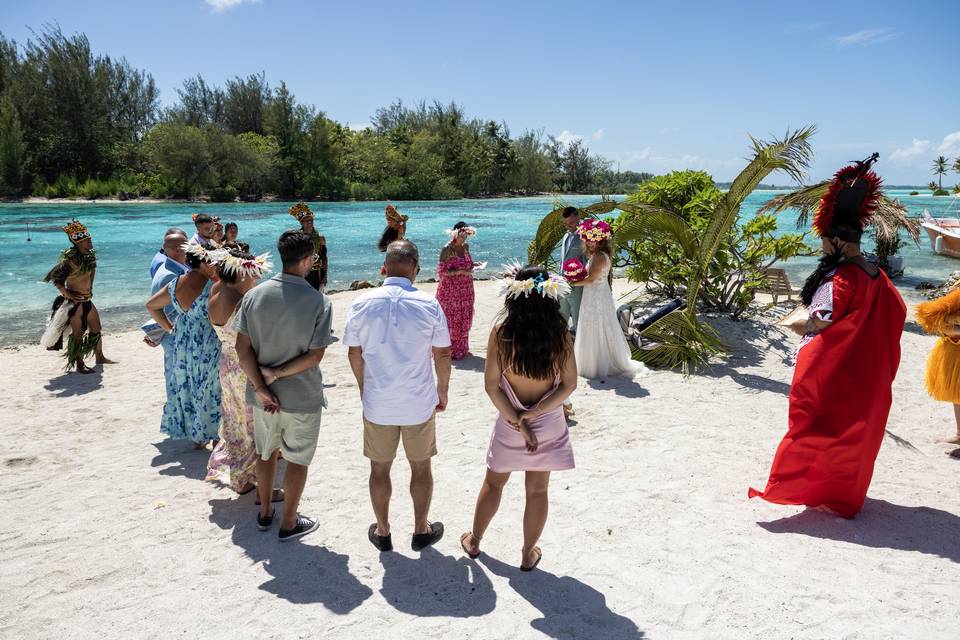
[776, 283]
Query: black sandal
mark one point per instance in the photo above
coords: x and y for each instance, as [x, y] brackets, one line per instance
[383, 543]
[536, 562]
[463, 545]
[422, 540]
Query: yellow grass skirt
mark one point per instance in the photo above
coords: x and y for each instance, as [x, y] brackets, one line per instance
[943, 371]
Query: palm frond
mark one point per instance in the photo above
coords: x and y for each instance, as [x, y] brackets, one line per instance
[549, 234]
[646, 221]
[792, 154]
[804, 199]
[682, 342]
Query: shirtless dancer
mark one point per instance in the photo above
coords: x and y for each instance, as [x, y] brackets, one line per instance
[73, 277]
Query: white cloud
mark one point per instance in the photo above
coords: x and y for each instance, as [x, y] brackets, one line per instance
[865, 37]
[950, 145]
[359, 126]
[566, 137]
[597, 135]
[918, 147]
[219, 6]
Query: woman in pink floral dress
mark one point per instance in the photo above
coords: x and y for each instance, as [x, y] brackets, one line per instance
[234, 458]
[455, 292]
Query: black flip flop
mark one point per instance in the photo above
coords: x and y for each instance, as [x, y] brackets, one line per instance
[383, 543]
[534, 565]
[463, 545]
[422, 540]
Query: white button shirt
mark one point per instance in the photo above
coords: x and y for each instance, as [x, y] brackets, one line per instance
[397, 326]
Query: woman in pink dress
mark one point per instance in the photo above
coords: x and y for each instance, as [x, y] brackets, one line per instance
[531, 369]
[455, 292]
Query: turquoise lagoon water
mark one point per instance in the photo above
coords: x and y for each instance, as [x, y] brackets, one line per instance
[126, 236]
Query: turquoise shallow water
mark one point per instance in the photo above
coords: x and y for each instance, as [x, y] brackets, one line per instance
[127, 235]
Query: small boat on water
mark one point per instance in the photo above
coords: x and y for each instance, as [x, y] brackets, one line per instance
[944, 234]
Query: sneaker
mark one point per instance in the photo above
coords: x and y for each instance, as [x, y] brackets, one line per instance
[423, 540]
[304, 526]
[264, 523]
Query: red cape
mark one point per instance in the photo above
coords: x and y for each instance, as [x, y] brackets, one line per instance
[840, 398]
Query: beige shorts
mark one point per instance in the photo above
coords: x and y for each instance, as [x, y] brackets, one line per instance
[419, 440]
[294, 434]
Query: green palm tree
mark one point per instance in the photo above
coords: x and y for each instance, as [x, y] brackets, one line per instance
[682, 340]
[940, 170]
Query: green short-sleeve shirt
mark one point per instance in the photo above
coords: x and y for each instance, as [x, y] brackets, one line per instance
[285, 317]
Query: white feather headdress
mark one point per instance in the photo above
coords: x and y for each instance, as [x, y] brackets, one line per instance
[462, 231]
[554, 286]
[246, 267]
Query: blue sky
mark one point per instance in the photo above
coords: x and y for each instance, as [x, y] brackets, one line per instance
[652, 86]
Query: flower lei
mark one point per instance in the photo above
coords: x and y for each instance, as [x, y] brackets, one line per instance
[593, 230]
[246, 267]
[462, 232]
[554, 286]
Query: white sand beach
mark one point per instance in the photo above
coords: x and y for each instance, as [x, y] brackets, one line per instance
[112, 532]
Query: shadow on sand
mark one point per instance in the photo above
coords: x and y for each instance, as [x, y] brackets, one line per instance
[301, 573]
[621, 386]
[570, 608]
[436, 585]
[471, 363]
[179, 458]
[881, 524]
[75, 384]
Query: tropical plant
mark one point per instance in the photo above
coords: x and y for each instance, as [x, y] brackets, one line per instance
[940, 170]
[683, 340]
[889, 220]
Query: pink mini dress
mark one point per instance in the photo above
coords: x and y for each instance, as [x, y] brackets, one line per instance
[508, 450]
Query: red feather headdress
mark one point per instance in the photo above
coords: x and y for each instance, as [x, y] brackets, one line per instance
[852, 198]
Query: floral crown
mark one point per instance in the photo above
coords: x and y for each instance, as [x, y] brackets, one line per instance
[300, 211]
[202, 253]
[462, 231]
[594, 230]
[553, 286]
[245, 267]
[394, 216]
[76, 230]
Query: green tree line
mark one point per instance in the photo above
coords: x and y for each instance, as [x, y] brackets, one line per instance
[74, 123]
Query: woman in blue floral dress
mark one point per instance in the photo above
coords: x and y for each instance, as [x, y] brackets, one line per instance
[193, 408]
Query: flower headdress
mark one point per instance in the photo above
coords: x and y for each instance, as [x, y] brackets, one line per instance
[851, 201]
[593, 230]
[394, 218]
[76, 231]
[464, 232]
[553, 286]
[300, 211]
[245, 267]
[204, 254]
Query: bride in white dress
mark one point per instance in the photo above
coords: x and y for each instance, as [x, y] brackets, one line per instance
[600, 347]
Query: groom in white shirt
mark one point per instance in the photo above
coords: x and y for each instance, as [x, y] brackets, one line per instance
[397, 336]
[572, 247]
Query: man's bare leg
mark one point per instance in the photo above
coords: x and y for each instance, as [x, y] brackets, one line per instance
[93, 322]
[488, 502]
[76, 331]
[421, 490]
[534, 514]
[266, 471]
[294, 480]
[380, 491]
[956, 414]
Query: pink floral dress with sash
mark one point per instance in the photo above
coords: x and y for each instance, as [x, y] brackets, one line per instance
[456, 296]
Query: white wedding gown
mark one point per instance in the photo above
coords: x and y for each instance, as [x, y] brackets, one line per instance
[600, 347]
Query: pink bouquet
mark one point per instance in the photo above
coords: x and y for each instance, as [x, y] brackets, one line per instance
[573, 270]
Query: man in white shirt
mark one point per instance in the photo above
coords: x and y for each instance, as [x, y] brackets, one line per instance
[393, 333]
